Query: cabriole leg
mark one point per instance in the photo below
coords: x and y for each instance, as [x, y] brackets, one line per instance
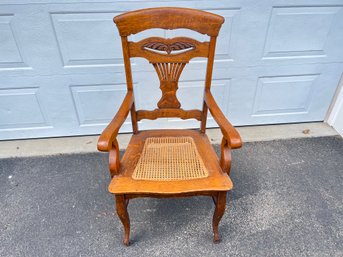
[121, 206]
[220, 203]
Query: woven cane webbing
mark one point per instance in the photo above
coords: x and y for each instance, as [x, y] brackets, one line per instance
[169, 158]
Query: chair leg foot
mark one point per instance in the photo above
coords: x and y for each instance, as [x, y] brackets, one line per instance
[121, 206]
[220, 204]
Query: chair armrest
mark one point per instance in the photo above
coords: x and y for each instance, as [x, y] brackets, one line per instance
[111, 131]
[229, 132]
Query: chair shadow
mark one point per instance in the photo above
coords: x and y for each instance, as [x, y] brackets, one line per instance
[176, 214]
[173, 215]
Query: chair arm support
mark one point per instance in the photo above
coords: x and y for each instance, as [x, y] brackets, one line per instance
[110, 133]
[229, 132]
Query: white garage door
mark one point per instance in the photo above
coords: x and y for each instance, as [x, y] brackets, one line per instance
[61, 67]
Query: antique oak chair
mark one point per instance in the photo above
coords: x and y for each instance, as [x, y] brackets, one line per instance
[169, 163]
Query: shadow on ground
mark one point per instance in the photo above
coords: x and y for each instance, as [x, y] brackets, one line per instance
[287, 201]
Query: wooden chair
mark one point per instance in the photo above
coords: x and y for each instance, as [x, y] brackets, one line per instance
[169, 163]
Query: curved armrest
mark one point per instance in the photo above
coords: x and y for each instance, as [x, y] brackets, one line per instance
[229, 132]
[111, 131]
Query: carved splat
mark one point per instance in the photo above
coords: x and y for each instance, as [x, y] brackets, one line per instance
[169, 74]
[172, 48]
[177, 49]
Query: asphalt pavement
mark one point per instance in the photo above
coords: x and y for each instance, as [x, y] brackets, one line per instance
[287, 201]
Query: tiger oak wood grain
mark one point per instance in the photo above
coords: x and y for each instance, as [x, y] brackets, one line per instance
[169, 113]
[123, 183]
[168, 18]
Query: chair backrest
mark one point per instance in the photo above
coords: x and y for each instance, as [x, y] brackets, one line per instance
[168, 56]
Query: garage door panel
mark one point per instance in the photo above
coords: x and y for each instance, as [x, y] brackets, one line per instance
[79, 43]
[94, 104]
[299, 32]
[29, 32]
[62, 71]
[11, 57]
[95, 100]
[228, 34]
[283, 95]
[293, 93]
[60, 105]
[21, 108]
[191, 93]
[296, 33]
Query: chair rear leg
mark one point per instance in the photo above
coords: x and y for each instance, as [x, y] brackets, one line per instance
[121, 206]
[220, 204]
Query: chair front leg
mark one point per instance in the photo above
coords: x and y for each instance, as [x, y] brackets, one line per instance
[121, 206]
[220, 203]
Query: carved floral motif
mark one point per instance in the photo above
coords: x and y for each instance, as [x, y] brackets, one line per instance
[169, 74]
[168, 48]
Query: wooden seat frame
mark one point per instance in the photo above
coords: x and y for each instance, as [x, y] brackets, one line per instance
[168, 56]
